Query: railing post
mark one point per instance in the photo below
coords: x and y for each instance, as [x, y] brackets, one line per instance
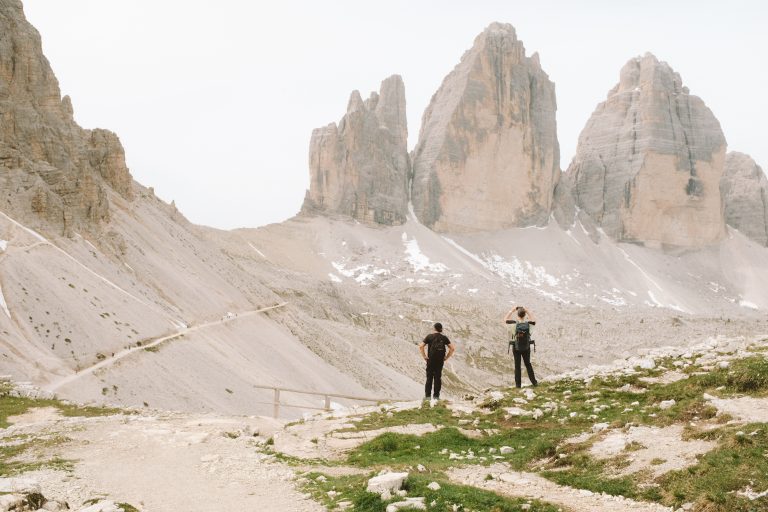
[276, 404]
[327, 403]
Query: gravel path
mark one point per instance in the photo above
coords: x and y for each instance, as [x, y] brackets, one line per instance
[169, 463]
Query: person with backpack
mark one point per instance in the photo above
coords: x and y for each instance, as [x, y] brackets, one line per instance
[436, 349]
[520, 339]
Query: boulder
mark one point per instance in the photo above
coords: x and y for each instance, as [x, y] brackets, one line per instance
[649, 161]
[386, 482]
[744, 189]
[487, 156]
[359, 168]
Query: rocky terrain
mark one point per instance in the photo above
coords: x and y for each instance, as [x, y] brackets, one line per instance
[487, 156]
[649, 161]
[645, 433]
[56, 175]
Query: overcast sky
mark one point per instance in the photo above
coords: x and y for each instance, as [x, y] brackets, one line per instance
[215, 100]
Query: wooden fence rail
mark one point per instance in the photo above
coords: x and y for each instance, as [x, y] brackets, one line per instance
[326, 399]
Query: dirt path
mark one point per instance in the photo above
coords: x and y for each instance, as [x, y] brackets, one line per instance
[528, 485]
[52, 387]
[167, 464]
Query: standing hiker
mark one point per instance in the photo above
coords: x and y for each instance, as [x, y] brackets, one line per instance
[520, 338]
[436, 349]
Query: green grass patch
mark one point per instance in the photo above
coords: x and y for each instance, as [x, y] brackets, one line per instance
[12, 462]
[436, 415]
[434, 449]
[14, 406]
[448, 498]
[740, 461]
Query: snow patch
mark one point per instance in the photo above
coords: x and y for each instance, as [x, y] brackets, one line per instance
[3, 304]
[334, 277]
[465, 252]
[519, 272]
[3, 245]
[418, 260]
[257, 251]
[747, 304]
[364, 274]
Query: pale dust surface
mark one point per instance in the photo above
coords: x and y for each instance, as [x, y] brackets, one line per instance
[170, 463]
[664, 446]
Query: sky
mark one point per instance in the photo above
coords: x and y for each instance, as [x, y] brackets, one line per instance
[215, 100]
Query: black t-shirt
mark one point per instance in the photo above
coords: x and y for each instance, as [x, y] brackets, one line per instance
[436, 342]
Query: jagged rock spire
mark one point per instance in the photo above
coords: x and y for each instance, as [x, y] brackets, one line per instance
[744, 188]
[488, 156]
[359, 167]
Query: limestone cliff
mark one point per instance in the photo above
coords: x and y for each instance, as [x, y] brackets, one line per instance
[360, 167]
[648, 164]
[53, 174]
[744, 188]
[487, 156]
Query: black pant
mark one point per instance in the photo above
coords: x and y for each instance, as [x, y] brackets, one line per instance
[434, 372]
[526, 354]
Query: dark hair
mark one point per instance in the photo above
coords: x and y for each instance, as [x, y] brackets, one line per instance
[439, 327]
[521, 312]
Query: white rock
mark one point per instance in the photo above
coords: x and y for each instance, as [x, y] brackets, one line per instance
[724, 364]
[537, 413]
[409, 503]
[646, 364]
[102, 506]
[516, 411]
[504, 450]
[433, 486]
[22, 485]
[496, 395]
[386, 482]
[421, 468]
[666, 404]
[599, 427]
[10, 502]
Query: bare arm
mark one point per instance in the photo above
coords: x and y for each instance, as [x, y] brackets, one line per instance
[531, 318]
[423, 353]
[509, 315]
[451, 350]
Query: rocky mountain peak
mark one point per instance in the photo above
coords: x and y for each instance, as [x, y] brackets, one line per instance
[487, 156]
[648, 164]
[359, 168]
[57, 174]
[744, 188]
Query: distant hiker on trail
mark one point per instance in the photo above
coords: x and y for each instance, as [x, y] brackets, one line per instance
[436, 349]
[520, 339]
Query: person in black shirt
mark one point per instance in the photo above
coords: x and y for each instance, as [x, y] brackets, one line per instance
[520, 314]
[436, 349]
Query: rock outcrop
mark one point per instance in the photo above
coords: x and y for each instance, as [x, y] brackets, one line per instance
[649, 161]
[744, 188]
[360, 167]
[54, 174]
[487, 156]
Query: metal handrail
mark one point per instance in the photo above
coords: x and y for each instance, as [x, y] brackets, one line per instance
[326, 396]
